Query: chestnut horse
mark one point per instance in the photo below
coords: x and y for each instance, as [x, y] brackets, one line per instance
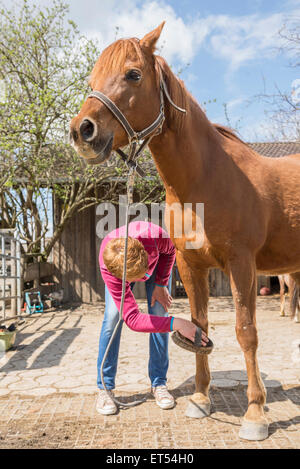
[251, 203]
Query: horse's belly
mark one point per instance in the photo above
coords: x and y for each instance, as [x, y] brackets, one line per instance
[279, 259]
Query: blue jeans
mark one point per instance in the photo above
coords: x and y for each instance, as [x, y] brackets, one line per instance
[158, 342]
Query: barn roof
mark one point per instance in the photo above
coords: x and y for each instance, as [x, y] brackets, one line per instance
[276, 149]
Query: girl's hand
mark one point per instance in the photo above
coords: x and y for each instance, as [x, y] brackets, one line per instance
[188, 330]
[162, 295]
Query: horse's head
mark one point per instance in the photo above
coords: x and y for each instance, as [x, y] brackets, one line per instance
[126, 74]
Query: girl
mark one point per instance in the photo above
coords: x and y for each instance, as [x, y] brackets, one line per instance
[150, 258]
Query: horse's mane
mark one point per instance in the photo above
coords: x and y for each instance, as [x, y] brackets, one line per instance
[179, 95]
[176, 89]
[229, 133]
[114, 57]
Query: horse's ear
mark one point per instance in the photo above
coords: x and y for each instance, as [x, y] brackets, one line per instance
[149, 41]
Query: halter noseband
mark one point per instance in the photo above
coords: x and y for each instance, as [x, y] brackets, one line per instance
[144, 136]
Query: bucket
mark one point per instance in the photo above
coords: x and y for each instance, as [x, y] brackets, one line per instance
[7, 340]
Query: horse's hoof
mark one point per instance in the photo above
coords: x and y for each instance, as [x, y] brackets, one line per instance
[197, 411]
[253, 431]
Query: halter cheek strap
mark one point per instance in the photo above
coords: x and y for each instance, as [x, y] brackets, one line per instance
[144, 136]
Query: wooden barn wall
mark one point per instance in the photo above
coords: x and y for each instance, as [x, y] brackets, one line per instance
[75, 259]
[220, 285]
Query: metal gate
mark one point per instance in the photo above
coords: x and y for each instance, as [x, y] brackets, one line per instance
[10, 274]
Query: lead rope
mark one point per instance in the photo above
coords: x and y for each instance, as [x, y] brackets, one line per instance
[132, 167]
[130, 184]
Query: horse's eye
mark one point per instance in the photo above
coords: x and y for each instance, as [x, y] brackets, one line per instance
[134, 75]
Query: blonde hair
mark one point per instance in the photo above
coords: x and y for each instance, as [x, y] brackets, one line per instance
[137, 258]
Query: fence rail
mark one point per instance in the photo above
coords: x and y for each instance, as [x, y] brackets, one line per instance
[10, 275]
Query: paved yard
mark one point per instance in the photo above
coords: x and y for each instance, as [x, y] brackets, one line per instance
[48, 391]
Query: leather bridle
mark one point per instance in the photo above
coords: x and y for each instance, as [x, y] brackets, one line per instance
[144, 136]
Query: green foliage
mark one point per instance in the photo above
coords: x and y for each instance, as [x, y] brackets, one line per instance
[44, 65]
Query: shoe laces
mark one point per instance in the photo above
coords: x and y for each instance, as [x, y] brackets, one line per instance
[106, 397]
[162, 392]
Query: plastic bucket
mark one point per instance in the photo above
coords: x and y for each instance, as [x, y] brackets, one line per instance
[7, 340]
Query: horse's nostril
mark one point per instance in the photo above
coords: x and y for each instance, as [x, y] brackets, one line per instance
[87, 129]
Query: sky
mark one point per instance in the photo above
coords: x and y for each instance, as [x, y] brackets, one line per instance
[228, 52]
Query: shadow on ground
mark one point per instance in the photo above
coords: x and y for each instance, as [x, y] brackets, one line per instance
[50, 356]
[236, 398]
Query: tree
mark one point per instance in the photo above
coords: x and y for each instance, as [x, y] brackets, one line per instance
[44, 63]
[283, 107]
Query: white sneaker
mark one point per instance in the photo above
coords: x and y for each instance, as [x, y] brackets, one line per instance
[105, 405]
[163, 398]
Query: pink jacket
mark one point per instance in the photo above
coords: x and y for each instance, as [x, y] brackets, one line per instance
[161, 252]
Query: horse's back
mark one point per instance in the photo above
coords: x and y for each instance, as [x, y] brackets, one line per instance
[293, 156]
[281, 251]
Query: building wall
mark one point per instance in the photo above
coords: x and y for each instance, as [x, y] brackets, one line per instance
[220, 285]
[75, 259]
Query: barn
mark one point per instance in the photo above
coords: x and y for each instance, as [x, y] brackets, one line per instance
[75, 256]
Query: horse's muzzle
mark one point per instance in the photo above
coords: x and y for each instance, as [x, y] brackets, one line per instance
[102, 152]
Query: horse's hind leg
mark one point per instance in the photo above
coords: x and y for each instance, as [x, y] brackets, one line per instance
[196, 285]
[282, 294]
[242, 271]
[294, 289]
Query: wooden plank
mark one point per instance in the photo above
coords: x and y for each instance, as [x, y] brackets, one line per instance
[140, 290]
[78, 245]
[86, 261]
[218, 283]
[85, 244]
[72, 254]
[66, 270]
[263, 281]
[212, 282]
[89, 260]
[95, 293]
[38, 270]
[93, 257]
[226, 285]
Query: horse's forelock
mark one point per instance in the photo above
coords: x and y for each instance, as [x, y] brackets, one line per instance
[112, 61]
[113, 58]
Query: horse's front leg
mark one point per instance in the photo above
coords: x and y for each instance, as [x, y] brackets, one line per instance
[196, 285]
[242, 271]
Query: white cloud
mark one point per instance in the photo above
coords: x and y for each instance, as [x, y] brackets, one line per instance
[179, 41]
[235, 39]
[241, 39]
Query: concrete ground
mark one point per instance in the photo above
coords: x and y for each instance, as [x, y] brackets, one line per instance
[48, 384]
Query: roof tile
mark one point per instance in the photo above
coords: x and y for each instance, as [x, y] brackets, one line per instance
[276, 149]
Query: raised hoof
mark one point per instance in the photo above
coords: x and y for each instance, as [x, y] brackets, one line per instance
[253, 431]
[197, 411]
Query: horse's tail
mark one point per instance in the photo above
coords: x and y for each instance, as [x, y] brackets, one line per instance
[294, 295]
